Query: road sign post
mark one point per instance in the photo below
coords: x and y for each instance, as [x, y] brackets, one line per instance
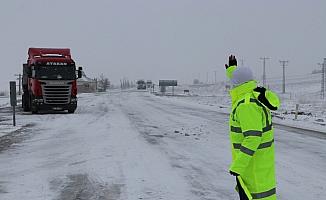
[13, 100]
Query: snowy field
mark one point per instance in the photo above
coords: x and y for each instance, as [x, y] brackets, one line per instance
[4, 101]
[134, 145]
[6, 121]
[303, 90]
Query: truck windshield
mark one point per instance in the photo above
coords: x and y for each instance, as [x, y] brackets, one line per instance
[55, 72]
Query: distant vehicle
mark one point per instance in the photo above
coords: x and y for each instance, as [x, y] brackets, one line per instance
[49, 80]
[149, 84]
[141, 85]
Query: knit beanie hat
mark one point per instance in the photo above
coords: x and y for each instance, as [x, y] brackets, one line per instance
[241, 75]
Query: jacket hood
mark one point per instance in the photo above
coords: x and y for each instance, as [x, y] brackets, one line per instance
[241, 75]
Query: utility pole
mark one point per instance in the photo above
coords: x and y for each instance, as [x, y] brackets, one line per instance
[95, 84]
[323, 76]
[215, 77]
[19, 83]
[264, 69]
[242, 62]
[207, 77]
[284, 63]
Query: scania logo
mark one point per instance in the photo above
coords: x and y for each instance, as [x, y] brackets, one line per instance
[56, 63]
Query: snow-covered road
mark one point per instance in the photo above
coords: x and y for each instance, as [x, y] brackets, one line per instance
[132, 145]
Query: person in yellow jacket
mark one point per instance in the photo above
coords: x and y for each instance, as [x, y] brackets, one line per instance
[251, 134]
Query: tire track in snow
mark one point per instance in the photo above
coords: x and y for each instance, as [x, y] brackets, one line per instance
[15, 137]
[81, 187]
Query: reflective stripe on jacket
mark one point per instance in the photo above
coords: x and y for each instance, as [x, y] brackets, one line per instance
[252, 142]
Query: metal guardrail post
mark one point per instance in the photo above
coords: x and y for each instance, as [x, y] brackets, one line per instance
[296, 111]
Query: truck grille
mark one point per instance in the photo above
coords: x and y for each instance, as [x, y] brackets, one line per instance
[56, 94]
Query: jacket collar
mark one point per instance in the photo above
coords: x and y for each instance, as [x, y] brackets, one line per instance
[240, 91]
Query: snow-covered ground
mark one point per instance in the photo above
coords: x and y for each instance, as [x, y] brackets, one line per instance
[6, 117]
[134, 145]
[302, 90]
[4, 101]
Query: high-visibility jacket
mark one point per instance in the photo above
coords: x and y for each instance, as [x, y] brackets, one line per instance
[252, 142]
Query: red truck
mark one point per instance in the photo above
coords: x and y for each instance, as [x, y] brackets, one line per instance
[50, 81]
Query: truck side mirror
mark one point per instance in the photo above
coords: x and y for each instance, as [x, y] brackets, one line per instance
[80, 69]
[27, 70]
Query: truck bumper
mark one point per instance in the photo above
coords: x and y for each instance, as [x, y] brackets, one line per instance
[39, 105]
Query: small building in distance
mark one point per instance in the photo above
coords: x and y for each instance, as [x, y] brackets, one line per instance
[86, 85]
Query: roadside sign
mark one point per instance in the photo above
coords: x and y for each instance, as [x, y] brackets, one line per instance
[168, 83]
[13, 96]
[13, 100]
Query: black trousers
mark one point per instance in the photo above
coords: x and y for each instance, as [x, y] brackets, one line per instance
[242, 193]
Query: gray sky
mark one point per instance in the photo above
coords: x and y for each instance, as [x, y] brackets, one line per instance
[153, 39]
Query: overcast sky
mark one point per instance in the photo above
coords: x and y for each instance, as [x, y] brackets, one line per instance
[154, 39]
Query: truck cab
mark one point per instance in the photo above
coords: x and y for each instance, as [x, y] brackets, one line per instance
[49, 80]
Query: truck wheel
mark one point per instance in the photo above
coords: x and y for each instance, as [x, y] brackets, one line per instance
[34, 110]
[25, 103]
[71, 110]
[22, 101]
[32, 107]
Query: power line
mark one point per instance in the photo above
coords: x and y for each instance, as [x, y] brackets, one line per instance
[264, 69]
[284, 63]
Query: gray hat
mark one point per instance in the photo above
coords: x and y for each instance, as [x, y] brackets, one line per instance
[241, 75]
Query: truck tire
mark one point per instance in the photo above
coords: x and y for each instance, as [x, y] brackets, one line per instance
[71, 110]
[22, 101]
[34, 111]
[25, 103]
[32, 107]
